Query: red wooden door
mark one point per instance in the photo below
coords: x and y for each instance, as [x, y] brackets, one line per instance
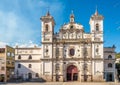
[72, 72]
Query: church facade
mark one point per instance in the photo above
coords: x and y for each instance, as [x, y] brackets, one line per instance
[69, 55]
[72, 54]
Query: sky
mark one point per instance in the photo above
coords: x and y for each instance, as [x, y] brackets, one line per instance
[20, 19]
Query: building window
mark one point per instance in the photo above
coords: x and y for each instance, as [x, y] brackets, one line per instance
[46, 28]
[37, 75]
[30, 57]
[57, 67]
[8, 76]
[72, 52]
[109, 57]
[19, 65]
[12, 54]
[57, 52]
[71, 26]
[97, 50]
[30, 66]
[109, 65]
[2, 68]
[2, 50]
[8, 62]
[46, 50]
[12, 63]
[97, 27]
[8, 54]
[19, 57]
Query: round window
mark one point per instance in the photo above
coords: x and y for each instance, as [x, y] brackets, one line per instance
[71, 26]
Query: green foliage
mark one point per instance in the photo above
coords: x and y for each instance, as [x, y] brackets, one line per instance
[118, 68]
[117, 55]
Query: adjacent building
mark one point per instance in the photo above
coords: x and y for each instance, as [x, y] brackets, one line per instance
[7, 55]
[27, 62]
[109, 63]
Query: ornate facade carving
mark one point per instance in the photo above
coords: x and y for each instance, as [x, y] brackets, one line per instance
[72, 45]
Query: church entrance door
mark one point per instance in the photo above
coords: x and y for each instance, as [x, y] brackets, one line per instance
[72, 73]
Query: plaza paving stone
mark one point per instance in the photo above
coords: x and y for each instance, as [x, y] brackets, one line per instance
[62, 83]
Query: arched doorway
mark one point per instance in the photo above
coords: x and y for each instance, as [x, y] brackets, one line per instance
[109, 77]
[72, 73]
[29, 75]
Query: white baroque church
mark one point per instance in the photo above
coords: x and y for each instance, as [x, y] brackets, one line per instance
[72, 54]
[69, 55]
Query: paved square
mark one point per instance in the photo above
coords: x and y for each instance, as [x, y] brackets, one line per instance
[62, 83]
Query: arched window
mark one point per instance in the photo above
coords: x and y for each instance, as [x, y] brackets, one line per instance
[72, 52]
[19, 65]
[109, 57]
[30, 57]
[97, 27]
[97, 50]
[12, 54]
[19, 57]
[30, 66]
[46, 50]
[109, 65]
[37, 75]
[46, 27]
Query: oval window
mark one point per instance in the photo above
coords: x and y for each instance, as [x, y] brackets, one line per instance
[72, 52]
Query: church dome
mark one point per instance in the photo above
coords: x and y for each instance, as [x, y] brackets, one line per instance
[72, 26]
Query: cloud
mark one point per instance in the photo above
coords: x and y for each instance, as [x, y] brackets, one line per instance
[14, 28]
[3, 44]
[19, 19]
[30, 44]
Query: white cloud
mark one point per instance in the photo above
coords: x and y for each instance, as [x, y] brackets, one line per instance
[26, 45]
[19, 20]
[3, 44]
[14, 27]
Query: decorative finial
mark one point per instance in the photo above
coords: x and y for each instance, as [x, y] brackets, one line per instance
[96, 12]
[48, 13]
[72, 16]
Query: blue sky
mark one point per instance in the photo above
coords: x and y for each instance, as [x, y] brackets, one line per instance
[20, 19]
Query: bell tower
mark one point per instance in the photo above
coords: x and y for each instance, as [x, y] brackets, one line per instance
[47, 27]
[96, 27]
[47, 31]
